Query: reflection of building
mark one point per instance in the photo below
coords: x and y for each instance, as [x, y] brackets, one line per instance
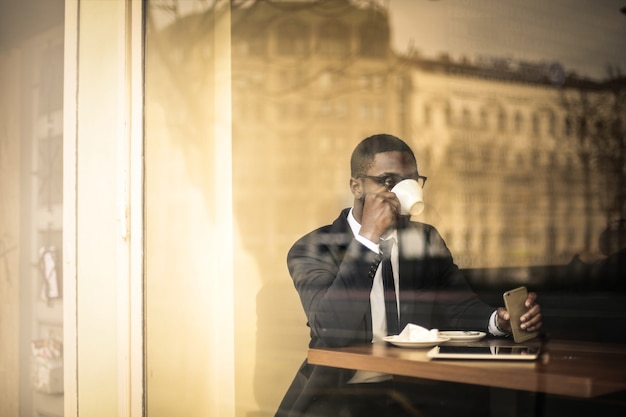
[312, 79]
[500, 140]
[506, 185]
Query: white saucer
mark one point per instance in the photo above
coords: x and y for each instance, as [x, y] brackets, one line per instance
[418, 344]
[462, 335]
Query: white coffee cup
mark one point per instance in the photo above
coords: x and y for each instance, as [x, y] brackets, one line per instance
[411, 197]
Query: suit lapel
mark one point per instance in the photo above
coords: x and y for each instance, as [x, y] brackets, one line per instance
[342, 236]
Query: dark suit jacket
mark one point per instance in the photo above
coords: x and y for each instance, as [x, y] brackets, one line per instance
[333, 275]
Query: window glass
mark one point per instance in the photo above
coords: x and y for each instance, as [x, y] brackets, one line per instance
[31, 209]
[508, 188]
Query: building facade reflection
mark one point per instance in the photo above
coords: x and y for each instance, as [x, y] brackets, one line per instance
[501, 140]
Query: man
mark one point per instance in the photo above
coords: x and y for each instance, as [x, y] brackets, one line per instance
[338, 275]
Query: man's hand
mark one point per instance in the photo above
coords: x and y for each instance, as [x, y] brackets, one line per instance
[530, 321]
[380, 211]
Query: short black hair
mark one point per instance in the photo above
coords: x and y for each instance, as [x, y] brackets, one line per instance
[364, 153]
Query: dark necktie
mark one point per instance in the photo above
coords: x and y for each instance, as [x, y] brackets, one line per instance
[391, 308]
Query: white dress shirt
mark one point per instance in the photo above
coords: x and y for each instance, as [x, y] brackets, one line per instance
[377, 300]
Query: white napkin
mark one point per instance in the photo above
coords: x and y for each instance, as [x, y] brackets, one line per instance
[415, 333]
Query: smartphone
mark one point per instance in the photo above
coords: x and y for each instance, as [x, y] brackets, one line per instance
[514, 302]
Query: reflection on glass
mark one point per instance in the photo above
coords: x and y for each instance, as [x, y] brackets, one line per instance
[523, 155]
[31, 209]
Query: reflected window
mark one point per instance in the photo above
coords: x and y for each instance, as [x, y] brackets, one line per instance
[341, 110]
[325, 109]
[484, 239]
[372, 82]
[600, 127]
[551, 122]
[251, 42]
[468, 237]
[501, 121]
[334, 39]
[378, 82]
[364, 111]
[293, 38]
[378, 112]
[484, 119]
[569, 126]
[518, 122]
[327, 80]
[487, 157]
[582, 126]
[427, 115]
[616, 128]
[536, 125]
[373, 40]
[371, 112]
[466, 118]
[364, 82]
[535, 158]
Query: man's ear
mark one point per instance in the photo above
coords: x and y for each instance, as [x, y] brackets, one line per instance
[356, 187]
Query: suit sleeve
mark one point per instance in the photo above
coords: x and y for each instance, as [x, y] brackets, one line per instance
[334, 284]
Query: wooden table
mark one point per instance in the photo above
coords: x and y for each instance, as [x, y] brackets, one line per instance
[569, 368]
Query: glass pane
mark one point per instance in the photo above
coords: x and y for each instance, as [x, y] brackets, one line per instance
[517, 128]
[31, 208]
[182, 342]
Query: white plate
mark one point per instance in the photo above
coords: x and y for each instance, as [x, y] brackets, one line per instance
[463, 335]
[423, 344]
